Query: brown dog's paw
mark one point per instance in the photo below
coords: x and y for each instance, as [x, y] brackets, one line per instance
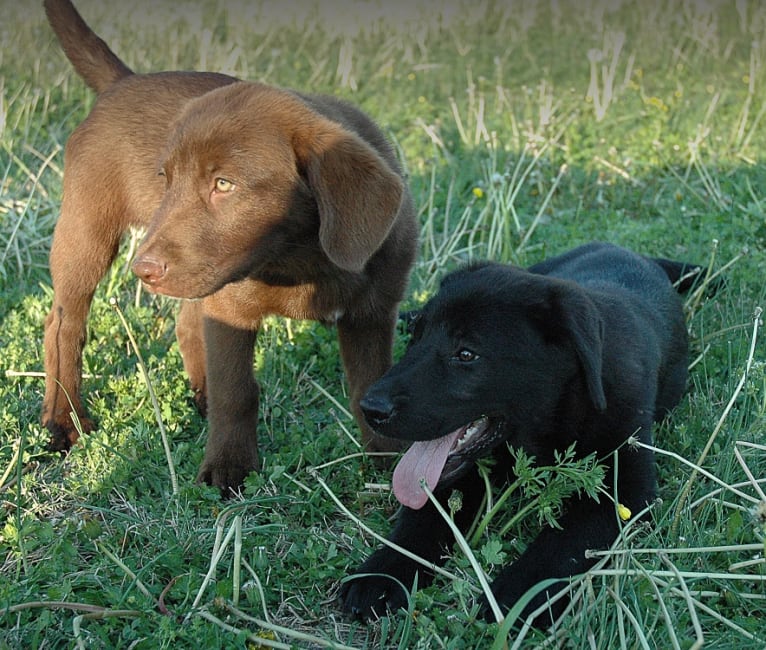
[229, 478]
[60, 441]
[64, 436]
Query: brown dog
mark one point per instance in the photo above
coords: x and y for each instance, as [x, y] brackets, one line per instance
[258, 201]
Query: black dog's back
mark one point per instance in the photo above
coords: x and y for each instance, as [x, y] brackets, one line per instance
[600, 261]
[657, 283]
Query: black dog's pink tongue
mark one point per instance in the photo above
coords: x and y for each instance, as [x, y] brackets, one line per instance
[423, 460]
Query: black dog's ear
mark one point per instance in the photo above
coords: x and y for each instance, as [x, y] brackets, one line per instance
[582, 323]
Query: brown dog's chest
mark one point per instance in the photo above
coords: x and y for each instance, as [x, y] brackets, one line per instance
[243, 304]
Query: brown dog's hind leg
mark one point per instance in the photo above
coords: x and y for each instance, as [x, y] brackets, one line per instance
[191, 342]
[366, 350]
[79, 259]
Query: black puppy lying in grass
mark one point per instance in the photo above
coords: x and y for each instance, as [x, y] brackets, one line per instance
[587, 348]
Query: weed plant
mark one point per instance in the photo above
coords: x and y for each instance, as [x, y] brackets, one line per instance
[527, 127]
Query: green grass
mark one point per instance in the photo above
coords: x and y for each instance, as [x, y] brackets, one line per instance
[527, 128]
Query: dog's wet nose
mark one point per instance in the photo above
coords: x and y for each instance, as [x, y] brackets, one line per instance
[149, 269]
[377, 410]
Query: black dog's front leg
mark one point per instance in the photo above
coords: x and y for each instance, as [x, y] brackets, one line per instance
[586, 524]
[422, 532]
[556, 553]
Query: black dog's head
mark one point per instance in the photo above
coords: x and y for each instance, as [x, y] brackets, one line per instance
[492, 357]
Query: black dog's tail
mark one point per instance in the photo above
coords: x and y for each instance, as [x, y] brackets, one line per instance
[684, 276]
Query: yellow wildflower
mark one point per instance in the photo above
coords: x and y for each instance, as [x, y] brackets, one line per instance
[624, 512]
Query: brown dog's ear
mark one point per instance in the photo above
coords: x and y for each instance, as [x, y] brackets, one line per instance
[581, 320]
[357, 193]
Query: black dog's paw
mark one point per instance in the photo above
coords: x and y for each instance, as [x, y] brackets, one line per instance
[372, 596]
[384, 584]
[508, 589]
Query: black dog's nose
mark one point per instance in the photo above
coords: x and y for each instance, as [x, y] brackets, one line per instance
[377, 410]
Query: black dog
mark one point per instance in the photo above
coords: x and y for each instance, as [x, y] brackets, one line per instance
[589, 348]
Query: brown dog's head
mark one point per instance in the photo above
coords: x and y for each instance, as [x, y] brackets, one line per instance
[260, 184]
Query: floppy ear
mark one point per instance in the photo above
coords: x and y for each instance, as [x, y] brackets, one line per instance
[357, 193]
[582, 322]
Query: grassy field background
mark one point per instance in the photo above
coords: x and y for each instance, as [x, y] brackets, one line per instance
[527, 127]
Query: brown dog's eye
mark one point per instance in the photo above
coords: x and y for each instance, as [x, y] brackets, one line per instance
[465, 355]
[223, 185]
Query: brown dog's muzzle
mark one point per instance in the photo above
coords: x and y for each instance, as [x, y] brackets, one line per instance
[149, 270]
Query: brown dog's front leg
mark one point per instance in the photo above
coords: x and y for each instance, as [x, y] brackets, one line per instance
[64, 342]
[367, 351]
[191, 342]
[81, 252]
[232, 399]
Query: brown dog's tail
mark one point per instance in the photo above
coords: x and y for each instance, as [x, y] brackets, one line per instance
[90, 56]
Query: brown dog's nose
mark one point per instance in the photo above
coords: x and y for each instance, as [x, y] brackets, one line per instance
[149, 269]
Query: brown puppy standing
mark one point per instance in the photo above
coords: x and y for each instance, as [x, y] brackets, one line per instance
[258, 201]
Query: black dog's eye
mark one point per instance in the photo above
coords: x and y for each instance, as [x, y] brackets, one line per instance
[464, 355]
